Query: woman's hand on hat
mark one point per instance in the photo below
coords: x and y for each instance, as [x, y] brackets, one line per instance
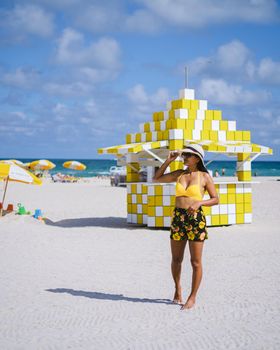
[173, 155]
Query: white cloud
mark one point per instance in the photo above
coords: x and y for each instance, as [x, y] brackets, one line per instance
[250, 70]
[73, 50]
[17, 123]
[84, 63]
[94, 75]
[193, 13]
[109, 16]
[106, 53]
[67, 90]
[66, 132]
[220, 92]
[91, 107]
[100, 17]
[269, 71]
[60, 111]
[147, 103]
[21, 78]
[137, 94]
[142, 21]
[232, 58]
[235, 61]
[27, 131]
[69, 46]
[27, 19]
[85, 120]
[266, 129]
[19, 115]
[148, 16]
[61, 120]
[267, 115]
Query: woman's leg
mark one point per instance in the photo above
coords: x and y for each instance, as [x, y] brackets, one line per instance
[177, 251]
[196, 257]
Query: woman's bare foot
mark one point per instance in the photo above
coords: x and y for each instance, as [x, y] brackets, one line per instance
[189, 303]
[178, 296]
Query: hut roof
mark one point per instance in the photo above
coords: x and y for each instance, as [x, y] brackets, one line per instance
[190, 121]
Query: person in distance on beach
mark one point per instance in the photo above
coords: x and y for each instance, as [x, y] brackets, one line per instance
[188, 222]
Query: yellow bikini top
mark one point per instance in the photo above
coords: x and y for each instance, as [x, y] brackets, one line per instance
[192, 191]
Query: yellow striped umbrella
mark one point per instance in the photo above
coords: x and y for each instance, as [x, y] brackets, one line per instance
[73, 164]
[13, 172]
[12, 161]
[26, 165]
[42, 164]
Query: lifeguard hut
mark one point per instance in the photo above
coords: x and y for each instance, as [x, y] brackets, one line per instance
[186, 121]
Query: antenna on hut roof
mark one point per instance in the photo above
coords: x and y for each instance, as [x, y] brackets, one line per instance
[186, 77]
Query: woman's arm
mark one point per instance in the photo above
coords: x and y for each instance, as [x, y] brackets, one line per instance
[211, 189]
[170, 177]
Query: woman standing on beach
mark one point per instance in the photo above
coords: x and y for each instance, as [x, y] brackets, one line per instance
[188, 222]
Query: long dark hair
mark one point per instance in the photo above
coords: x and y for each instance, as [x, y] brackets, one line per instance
[200, 166]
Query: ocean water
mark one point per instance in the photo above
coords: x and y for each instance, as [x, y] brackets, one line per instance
[99, 167]
[95, 167]
[259, 168]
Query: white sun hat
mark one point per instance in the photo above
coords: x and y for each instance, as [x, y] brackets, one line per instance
[195, 149]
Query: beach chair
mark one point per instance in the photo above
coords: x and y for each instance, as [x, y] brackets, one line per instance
[57, 178]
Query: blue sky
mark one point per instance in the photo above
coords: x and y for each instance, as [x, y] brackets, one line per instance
[76, 75]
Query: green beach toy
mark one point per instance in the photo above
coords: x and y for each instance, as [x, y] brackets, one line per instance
[22, 210]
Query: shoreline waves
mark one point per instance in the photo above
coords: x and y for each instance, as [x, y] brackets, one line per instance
[101, 167]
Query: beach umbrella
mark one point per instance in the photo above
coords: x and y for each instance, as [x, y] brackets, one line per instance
[26, 165]
[6, 161]
[12, 161]
[13, 172]
[73, 164]
[17, 162]
[41, 164]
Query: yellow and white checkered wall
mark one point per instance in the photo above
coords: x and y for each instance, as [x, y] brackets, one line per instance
[235, 206]
[244, 172]
[153, 204]
[137, 203]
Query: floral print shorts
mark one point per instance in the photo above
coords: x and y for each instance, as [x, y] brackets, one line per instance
[186, 226]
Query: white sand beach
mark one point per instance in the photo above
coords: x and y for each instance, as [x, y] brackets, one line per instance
[87, 280]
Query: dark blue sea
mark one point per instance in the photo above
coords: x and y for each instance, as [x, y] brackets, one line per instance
[99, 167]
